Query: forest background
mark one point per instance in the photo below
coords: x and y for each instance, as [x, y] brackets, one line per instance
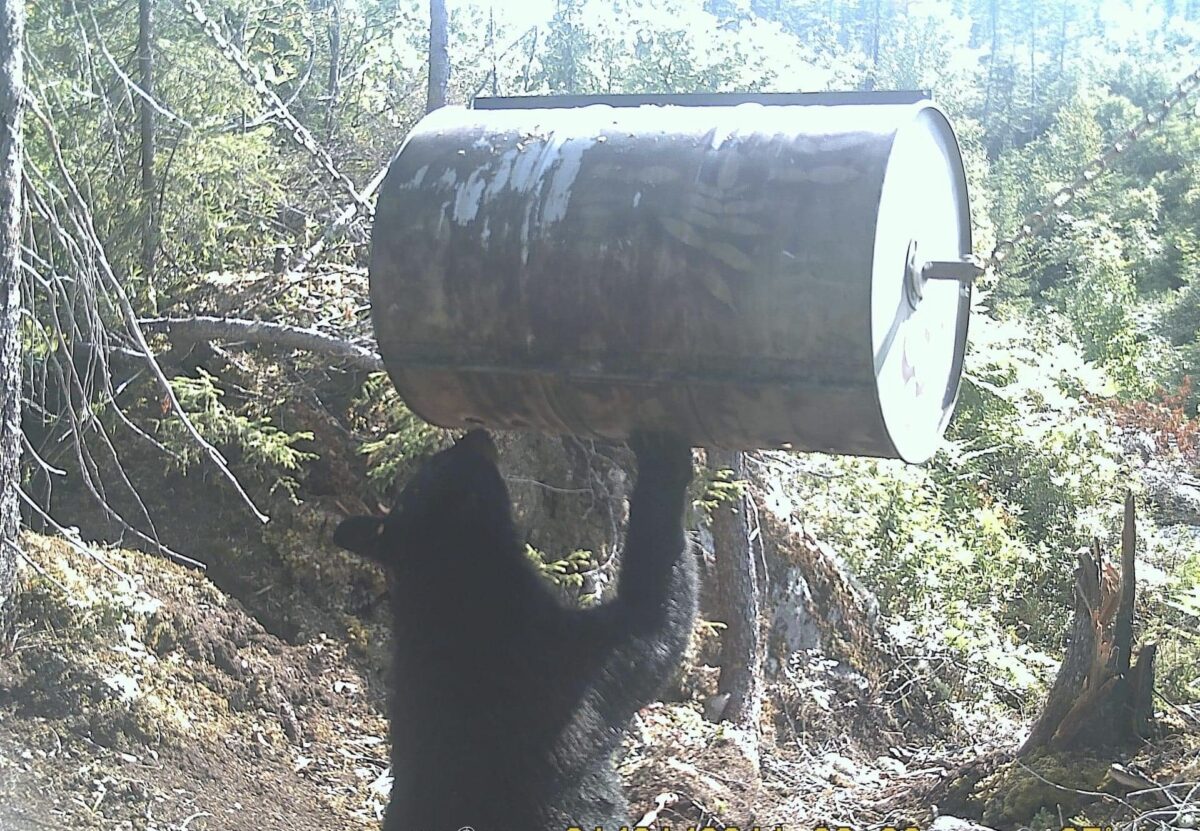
[193, 161]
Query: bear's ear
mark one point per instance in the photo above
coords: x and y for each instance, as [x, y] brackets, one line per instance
[361, 535]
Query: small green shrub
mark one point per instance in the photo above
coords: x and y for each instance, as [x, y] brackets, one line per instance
[404, 438]
[263, 444]
[567, 573]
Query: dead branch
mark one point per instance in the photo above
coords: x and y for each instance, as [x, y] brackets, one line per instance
[79, 214]
[263, 333]
[341, 220]
[71, 536]
[84, 381]
[296, 272]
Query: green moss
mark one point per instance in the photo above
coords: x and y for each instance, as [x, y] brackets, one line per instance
[1021, 790]
[358, 636]
[162, 636]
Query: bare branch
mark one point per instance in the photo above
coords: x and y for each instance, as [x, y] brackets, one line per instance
[341, 220]
[131, 84]
[72, 538]
[263, 333]
[296, 272]
[82, 219]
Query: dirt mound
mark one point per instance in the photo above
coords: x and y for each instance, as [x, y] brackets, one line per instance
[137, 695]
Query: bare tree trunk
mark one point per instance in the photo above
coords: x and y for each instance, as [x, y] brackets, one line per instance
[525, 76]
[987, 90]
[491, 49]
[12, 26]
[737, 586]
[334, 81]
[439, 55]
[145, 58]
[875, 42]
[335, 49]
[1033, 90]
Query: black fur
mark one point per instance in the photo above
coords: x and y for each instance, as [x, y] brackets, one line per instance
[506, 706]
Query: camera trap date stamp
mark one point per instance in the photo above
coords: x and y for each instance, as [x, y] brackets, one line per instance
[683, 828]
[917, 828]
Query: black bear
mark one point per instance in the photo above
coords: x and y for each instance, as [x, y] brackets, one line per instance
[507, 706]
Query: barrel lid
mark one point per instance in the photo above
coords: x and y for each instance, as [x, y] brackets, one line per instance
[921, 287]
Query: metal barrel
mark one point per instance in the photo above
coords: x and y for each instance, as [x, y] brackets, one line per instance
[757, 275]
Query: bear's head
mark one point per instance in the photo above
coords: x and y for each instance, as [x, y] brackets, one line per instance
[458, 494]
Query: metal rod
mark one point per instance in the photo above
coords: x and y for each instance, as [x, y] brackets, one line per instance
[962, 271]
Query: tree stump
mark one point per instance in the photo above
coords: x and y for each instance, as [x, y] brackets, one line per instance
[1100, 697]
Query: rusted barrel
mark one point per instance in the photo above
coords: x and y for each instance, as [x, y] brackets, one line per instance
[759, 275]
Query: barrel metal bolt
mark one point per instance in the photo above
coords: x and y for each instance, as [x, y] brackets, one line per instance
[964, 270]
